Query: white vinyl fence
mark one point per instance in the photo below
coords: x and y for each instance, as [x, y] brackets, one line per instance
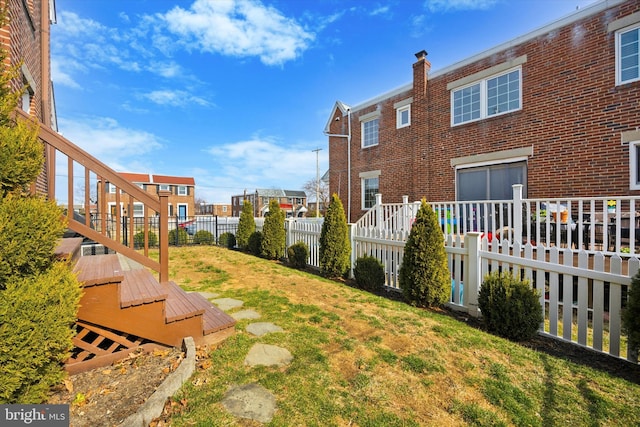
[582, 287]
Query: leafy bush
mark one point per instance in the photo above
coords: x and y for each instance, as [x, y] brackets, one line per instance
[298, 253]
[203, 237]
[254, 244]
[178, 237]
[369, 273]
[273, 234]
[228, 240]
[631, 314]
[36, 318]
[138, 239]
[424, 274]
[510, 308]
[246, 225]
[335, 248]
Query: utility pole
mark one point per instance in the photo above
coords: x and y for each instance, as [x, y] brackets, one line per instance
[317, 151]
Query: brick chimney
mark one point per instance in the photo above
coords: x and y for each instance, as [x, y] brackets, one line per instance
[420, 74]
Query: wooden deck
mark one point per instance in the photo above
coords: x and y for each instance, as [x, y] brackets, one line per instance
[121, 311]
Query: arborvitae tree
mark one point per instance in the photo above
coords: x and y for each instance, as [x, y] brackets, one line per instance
[38, 296]
[335, 248]
[246, 225]
[273, 233]
[631, 314]
[424, 274]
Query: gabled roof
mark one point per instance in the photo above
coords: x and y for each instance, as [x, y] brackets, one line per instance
[295, 193]
[344, 109]
[176, 180]
[136, 178]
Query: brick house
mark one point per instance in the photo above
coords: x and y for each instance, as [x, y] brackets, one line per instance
[216, 209]
[557, 110]
[181, 200]
[25, 37]
[293, 202]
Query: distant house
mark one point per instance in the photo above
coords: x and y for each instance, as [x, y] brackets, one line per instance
[556, 110]
[293, 202]
[217, 209]
[181, 200]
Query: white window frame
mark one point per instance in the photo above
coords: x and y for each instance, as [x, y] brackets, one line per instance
[634, 168]
[482, 83]
[364, 176]
[224, 208]
[619, 34]
[401, 108]
[364, 120]
[164, 187]
[182, 190]
[111, 188]
[138, 210]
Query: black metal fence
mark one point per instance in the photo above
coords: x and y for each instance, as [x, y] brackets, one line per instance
[194, 230]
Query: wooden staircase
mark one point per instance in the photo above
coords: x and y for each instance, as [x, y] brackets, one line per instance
[122, 310]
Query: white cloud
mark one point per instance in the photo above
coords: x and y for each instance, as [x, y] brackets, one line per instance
[239, 28]
[447, 5]
[263, 163]
[121, 148]
[175, 98]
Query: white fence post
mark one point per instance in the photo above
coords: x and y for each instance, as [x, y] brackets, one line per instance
[352, 242]
[517, 212]
[405, 213]
[378, 208]
[472, 273]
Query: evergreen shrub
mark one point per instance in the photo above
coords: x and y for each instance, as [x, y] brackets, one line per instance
[369, 274]
[335, 248]
[228, 240]
[203, 237]
[273, 233]
[631, 314]
[424, 274]
[37, 314]
[246, 225]
[138, 239]
[254, 244]
[510, 307]
[298, 253]
[178, 237]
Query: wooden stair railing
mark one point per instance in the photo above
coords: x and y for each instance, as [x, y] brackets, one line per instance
[93, 170]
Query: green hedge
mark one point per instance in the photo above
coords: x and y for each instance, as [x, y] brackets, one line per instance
[178, 237]
[298, 253]
[335, 248]
[138, 239]
[203, 237]
[369, 274]
[228, 240]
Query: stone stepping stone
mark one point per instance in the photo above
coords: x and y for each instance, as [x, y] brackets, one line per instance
[268, 355]
[209, 295]
[227, 304]
[250, 401]
[245, 314]
[263, 328]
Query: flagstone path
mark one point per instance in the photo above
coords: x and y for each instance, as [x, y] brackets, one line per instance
[253, 401]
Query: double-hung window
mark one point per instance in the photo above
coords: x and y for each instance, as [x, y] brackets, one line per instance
[628, 55]
[488, 97]
[182, 190]
[370, 125]
[370, 187]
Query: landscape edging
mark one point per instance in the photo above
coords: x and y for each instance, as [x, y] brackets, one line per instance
[153, 407]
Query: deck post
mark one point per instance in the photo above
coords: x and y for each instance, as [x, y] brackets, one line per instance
[163, 231]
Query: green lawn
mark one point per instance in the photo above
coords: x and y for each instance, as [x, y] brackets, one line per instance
[363, 360]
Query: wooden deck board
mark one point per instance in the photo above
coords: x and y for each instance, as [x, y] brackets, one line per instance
[140, 287]
[68, 248]
[99, 269]
[178, 306]
[213, 318]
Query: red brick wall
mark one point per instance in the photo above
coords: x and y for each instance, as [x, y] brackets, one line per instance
[572, 114]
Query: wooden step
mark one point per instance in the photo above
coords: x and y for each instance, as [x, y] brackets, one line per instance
[140, 287]
[178, 305]
[99, 270]
[213, 318]
[68, 248]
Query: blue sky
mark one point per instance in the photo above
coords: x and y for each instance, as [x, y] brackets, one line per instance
[236, 93]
